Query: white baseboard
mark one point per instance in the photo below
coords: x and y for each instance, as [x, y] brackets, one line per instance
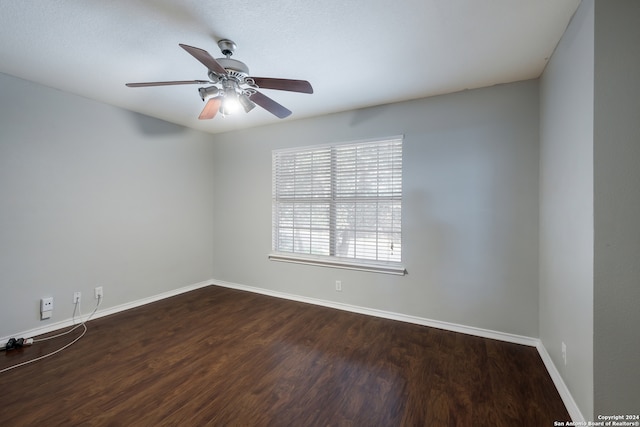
[153, 298]
[562, 388]
[470, 330]
[106, 311]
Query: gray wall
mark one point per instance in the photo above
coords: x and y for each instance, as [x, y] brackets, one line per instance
[617, 207]
[590, 205]
[470, 208]
[91, 194]
[566, 207]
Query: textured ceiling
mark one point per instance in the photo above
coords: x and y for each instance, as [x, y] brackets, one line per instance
[356, 53]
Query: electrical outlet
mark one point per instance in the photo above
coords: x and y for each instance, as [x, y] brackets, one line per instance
[76, 297]
[564, 352]
[46, 304]
[338, 285]
[98, 292]
[46, 308]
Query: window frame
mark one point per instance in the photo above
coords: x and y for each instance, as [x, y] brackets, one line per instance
[332, 260]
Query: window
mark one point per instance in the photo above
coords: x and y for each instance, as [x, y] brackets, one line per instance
[339, 205]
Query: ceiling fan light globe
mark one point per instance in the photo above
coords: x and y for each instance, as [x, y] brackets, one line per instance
[208, 92]
[246, 103]
[230, 105]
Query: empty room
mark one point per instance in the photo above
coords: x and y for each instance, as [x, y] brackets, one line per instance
[342, 213]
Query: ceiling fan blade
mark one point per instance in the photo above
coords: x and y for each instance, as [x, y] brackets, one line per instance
[210, 109]
[177, 82]
[283, 84]
[206, 59]
[270, 105]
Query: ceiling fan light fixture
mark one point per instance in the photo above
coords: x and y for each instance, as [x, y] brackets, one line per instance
[208, 92]
[230, 104]
[246, 103]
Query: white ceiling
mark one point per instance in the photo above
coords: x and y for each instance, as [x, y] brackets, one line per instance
[356, 53]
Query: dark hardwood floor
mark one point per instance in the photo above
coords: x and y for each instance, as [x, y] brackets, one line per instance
[223, 357]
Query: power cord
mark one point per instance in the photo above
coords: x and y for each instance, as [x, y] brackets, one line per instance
[20, 342]
[25, 341]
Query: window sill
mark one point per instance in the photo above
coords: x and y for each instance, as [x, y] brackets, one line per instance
[346, 263]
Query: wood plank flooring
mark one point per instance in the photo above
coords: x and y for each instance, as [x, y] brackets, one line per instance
[224, 357]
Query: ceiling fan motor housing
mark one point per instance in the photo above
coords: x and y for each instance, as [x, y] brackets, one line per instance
[235, 69]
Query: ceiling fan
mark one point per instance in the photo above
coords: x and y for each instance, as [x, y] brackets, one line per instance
[231, 87]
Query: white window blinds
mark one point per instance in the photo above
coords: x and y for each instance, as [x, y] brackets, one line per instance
[339, 201]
